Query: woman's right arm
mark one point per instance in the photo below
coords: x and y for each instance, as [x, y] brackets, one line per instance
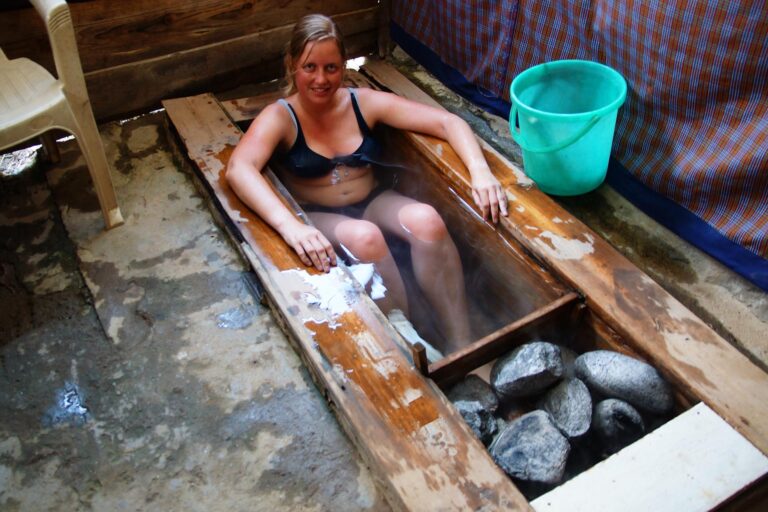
[244, 175]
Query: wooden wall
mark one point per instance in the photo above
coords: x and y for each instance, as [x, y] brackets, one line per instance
[136, 53]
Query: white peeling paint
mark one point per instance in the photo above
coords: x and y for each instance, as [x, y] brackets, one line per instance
[520, 208]
[386, 367]
[331, 324]
[236, 216]
[522, 178]
[439, 149]
[439, 438]
[531, 228]
[339, 374]
[411, 395]
[366, 342]
[557, 220]
[564, 248]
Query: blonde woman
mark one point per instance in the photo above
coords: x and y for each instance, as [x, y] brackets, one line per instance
[323, 134]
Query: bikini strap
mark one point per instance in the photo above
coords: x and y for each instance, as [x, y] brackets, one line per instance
[359, 115]
[294, 118]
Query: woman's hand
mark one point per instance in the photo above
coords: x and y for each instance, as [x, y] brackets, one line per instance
[310, 244]
[488, 195]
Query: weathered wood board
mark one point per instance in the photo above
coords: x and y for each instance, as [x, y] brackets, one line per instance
[414, 441]
[136, 53]
[614, 290]
[695, 446]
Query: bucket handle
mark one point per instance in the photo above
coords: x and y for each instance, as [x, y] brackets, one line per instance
[518, 136]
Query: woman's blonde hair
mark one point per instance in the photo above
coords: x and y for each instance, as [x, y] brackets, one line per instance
[309, 29]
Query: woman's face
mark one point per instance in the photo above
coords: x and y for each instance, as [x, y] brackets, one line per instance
[319, 71]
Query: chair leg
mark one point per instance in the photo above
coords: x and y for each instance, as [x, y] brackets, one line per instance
[50, 148]
[93, 151]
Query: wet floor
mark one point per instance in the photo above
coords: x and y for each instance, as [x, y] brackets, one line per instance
[137, 370]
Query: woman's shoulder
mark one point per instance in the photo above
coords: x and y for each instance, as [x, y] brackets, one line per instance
[373, 102]
[366, 93]
[273, 123]
[276, 114]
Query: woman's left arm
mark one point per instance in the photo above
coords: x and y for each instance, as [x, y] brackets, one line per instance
[392, 110]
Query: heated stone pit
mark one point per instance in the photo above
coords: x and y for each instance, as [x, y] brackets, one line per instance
[547, 413]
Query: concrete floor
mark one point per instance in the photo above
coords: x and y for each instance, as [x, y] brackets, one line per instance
[139, 373]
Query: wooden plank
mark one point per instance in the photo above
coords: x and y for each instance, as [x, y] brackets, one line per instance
[694, 462]
[133, 58]
[140, 85]
[24, 35]
[682, 347]
[110, 35]
[411, 437]
[457, 365]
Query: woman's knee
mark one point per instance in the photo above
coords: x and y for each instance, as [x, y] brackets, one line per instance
[423, 222]
[363, 239]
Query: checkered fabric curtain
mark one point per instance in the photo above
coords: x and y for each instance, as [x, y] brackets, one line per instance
[694, 127]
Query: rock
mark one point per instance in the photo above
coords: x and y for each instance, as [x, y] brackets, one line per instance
[531, 449]
[479, 419]
[616, 424]
[527, 370]
[570, 406]
[474, 389]
[618, 376]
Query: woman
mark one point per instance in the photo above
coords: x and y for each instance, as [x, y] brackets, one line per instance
[322, 132]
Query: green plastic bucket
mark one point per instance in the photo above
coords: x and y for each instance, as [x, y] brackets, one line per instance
[566, 113]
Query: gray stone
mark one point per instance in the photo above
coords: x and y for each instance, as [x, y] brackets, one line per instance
[474, 389]
[479, 419]
[616, 424]
[570, 406]
[531, 449]
[527, 370]
[618, 376]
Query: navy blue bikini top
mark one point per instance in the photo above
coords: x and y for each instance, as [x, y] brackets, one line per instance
[305, 163]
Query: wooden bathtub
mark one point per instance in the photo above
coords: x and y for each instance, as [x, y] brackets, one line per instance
[546, 275]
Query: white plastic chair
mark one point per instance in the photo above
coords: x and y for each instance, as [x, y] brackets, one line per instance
[32, 102]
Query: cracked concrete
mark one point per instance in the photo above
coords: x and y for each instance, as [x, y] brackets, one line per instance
[138, 371]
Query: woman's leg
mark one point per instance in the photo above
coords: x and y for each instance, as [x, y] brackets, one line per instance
[362, 241]
[436, 261]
